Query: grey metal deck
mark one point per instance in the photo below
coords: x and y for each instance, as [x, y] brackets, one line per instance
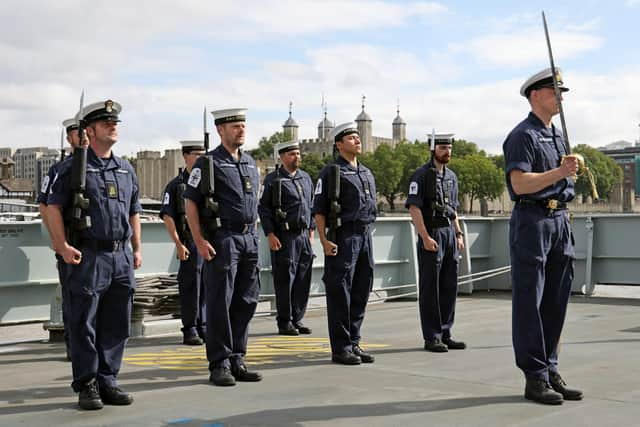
[405, 387]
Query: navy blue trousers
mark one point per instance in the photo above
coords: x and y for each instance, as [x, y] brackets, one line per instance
[232, 290]
[192, 295]
[438, 272]
[542, 257]
[99, 296]
[348, 280]
[291, 269]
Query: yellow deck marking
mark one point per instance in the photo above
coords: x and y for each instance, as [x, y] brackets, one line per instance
[261, 351]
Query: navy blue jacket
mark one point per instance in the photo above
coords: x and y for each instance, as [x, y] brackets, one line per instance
[296, 200]
[357, 193]
[237, 197]
[112, 190]
[532, 147]
[47, 182]
[170, 195]
[446, 190]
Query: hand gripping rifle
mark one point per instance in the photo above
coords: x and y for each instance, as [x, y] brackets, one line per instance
[77, 220]
[209, 219]
[556, 89]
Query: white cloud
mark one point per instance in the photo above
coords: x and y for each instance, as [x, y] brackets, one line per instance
[160, 62]
[292, 18]
[525, 46]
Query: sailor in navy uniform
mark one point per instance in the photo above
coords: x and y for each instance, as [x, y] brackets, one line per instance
[99, 273]
[231, 253]
[542, 253]
[71, 129]
[288, 225]
[349, 264]
[440, 241]
[192, 298]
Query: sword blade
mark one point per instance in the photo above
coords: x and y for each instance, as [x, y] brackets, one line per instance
[556, 88]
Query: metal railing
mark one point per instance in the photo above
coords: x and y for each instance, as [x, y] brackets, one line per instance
[606, 253]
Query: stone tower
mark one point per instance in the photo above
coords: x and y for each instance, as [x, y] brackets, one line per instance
[364, 124]
[325, 127]
[290, 127]
[399, 128]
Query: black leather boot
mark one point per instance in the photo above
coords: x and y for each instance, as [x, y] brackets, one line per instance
[89, 398]
[221, 376]
[241, 373]
[540, 391]
[365, 357]
[558, 384]
[435, 346]
[346, 358]
[115, 396]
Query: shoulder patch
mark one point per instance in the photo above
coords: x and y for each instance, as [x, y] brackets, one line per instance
[165, 201]
[52, 182]
[194, 178]
[318, 187]
[413, 188]
[45, 184]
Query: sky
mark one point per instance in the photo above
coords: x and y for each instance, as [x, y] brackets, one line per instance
[454, 66]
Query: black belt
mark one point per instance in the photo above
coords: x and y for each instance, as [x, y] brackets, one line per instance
[238, 227]
[550, 204]
[294, 230]
[355, 227]
[105, 245]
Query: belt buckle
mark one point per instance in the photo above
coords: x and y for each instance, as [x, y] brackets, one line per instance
[245, 228]
[552, 204]
[116, 243]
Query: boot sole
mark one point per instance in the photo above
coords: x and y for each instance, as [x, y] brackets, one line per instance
[545, 402]
[343, 362]
[223, 384]
[437, 350]
[249, 380]
[572, 397]
[118, 402]
[94, 405]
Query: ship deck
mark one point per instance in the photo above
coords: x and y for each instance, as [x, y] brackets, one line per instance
[406, 386]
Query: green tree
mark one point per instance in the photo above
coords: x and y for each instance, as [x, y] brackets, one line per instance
[265, 146]
[478, 177]
[605, 170]
[312, 163]
[387, 170]
[498, 160]
[461, 148]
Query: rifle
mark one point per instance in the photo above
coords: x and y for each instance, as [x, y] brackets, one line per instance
[435, 214]
[567, 146]
[333, 183]
[77, 220]
[276, 201]
[62, 143]
[181, 219]
[209, 219]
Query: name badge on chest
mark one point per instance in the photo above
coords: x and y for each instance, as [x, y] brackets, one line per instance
[246, 183]
[112, 190]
